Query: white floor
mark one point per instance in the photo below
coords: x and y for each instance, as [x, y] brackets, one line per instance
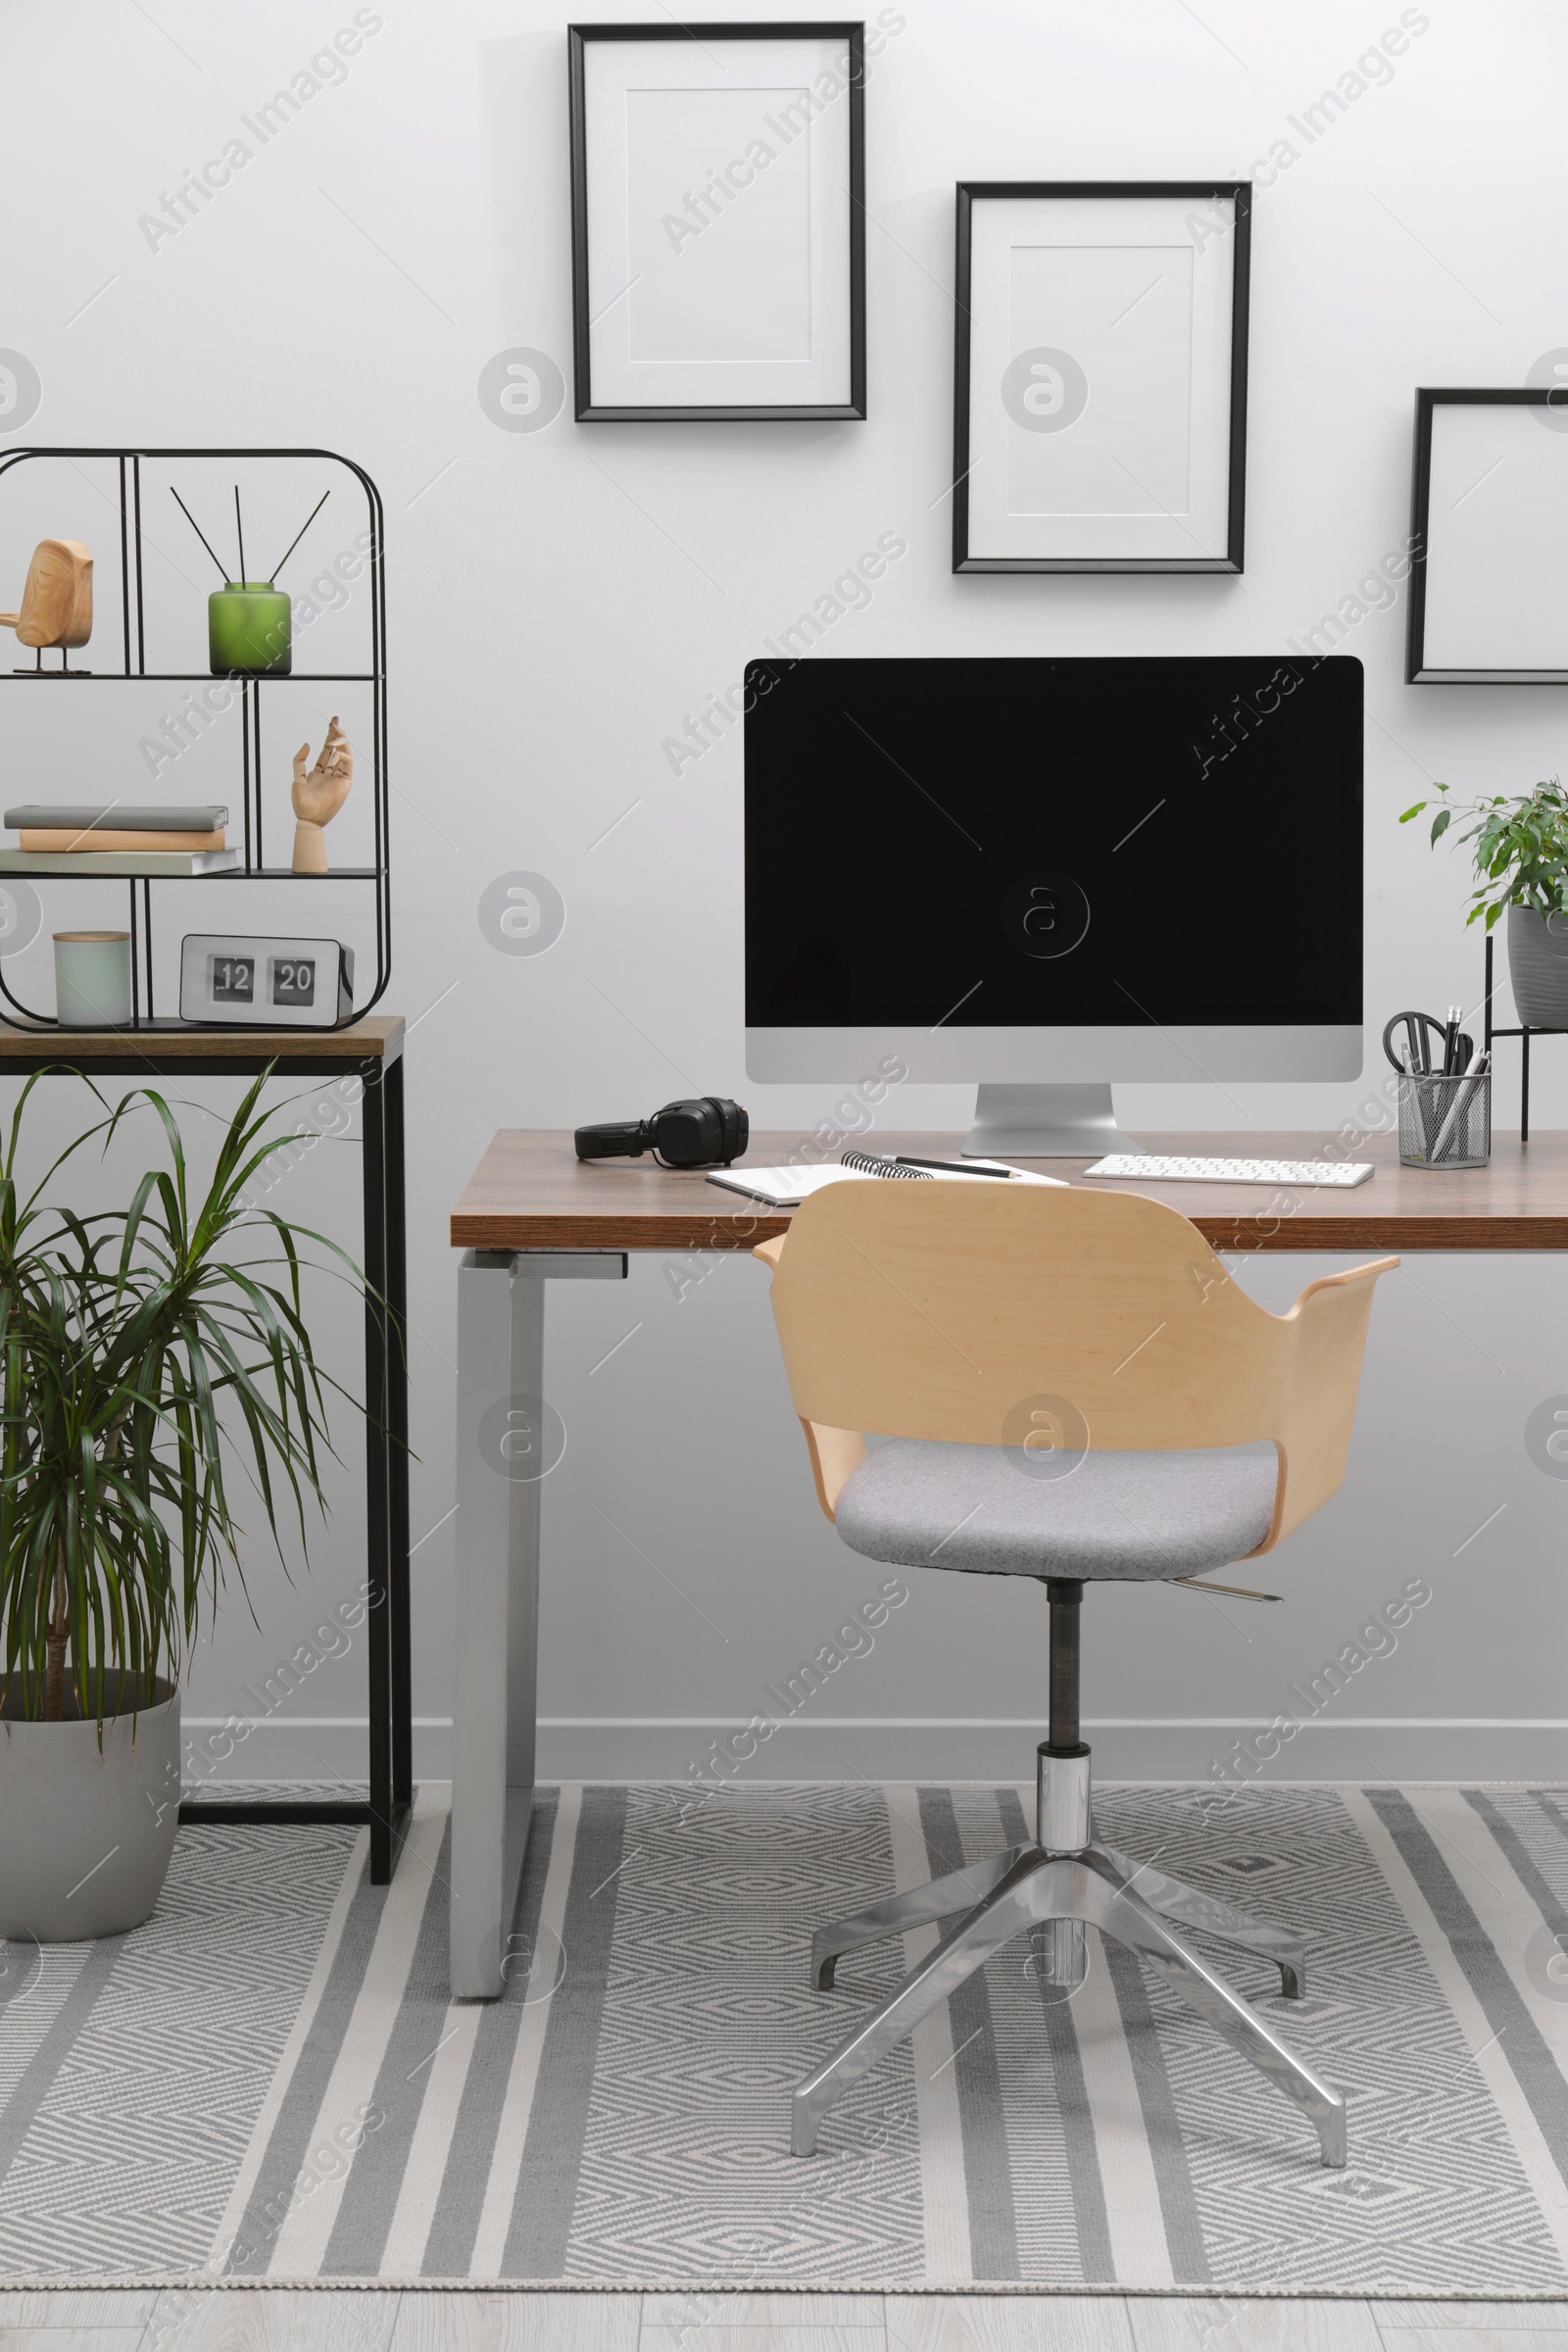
[271, 2321]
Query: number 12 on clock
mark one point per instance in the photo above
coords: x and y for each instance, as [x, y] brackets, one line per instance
[233, 979]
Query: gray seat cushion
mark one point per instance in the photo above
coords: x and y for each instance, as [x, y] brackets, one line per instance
[918, 1502]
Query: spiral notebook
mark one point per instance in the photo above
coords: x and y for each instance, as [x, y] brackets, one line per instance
[787, 1188]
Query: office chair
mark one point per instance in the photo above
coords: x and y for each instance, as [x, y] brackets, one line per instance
[1053, 1372]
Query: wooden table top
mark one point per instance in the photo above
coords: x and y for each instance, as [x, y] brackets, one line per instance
[530, 1192]
[379, 1037]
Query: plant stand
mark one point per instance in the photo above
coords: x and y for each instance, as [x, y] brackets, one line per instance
[1524, 1034]
[370, 1050]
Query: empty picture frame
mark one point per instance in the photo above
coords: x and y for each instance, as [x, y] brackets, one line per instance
[1489, 539]
[718, 221]
[1099, 381]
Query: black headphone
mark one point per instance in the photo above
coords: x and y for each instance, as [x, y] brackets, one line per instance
[710, 1132]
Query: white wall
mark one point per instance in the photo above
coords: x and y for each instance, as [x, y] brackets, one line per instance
[560, 600]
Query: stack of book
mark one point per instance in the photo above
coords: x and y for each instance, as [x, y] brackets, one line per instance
[118, 837]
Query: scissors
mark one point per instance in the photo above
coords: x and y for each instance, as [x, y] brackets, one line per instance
[1426, 1042]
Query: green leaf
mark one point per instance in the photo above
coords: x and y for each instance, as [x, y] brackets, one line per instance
[1518, 846]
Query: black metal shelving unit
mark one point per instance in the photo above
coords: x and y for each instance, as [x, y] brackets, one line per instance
[134, 633]
[236, 1051]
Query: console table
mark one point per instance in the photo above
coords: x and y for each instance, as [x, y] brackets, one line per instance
[370, 1050]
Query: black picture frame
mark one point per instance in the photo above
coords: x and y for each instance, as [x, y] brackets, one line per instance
[586, 409]
[1417, 670]
[972, 191]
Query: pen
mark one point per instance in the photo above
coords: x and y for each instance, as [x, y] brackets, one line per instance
[1450, 1039]
[1462, 1098]
[956, 1167]
[1413, 1059]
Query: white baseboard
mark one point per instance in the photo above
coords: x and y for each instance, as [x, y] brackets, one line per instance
[331, 1749]
[1356, 1748]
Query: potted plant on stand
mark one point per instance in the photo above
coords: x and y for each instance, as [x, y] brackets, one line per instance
[143, 1351]
[1520, 848]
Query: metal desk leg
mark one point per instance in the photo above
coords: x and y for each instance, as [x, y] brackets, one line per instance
[503, 1452]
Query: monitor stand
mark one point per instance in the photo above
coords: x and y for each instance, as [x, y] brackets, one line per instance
[1046, 1122]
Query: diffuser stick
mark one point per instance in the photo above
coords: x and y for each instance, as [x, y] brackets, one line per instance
[298, 536]
[240, 531]
[197, 528]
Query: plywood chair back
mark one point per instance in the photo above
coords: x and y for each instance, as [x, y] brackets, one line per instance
[992, 1313]
[57, 598]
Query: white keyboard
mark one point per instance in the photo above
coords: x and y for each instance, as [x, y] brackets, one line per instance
[1146, 1169]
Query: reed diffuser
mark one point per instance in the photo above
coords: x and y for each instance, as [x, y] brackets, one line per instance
[249, 632]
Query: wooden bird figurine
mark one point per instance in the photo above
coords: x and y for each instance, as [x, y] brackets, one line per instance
[56, 602]
[319, 795]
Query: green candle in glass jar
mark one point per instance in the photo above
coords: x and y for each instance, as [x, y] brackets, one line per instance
[248, 630]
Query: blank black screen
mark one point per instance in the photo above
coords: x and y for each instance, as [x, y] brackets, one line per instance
[1095, 844]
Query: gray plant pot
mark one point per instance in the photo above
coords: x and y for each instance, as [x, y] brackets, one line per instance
[86, 1833]
[1537, 967]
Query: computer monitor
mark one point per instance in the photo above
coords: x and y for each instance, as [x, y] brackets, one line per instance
[1043, 875]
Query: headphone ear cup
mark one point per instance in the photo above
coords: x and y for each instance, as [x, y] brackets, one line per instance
[730, 1128]
[694, 1134]
[687, 1135]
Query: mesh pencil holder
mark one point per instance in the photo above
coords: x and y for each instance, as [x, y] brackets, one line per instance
[1445, 1122]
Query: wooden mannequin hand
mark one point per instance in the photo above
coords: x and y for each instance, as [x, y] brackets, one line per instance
[319, 795]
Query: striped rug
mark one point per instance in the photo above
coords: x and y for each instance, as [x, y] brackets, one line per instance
[269, 2081]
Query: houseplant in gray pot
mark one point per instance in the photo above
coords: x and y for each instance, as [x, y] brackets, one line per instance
[145, 1351]
[1520, 847]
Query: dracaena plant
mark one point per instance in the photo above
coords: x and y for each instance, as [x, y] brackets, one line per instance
[147, 1355]
[1519, 845]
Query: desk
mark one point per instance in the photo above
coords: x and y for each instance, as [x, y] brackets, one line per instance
[532, 1213]
[372, 1051]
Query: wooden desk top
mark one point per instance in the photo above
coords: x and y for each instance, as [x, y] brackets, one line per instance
[529, 1192]
[376, 1038]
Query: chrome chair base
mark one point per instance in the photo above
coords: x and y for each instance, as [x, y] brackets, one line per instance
[1026, 1887]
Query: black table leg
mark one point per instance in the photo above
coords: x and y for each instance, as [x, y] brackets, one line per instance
[397, 1291]
[387, 1824]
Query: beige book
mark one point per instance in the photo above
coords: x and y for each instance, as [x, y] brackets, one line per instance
[48, 841]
